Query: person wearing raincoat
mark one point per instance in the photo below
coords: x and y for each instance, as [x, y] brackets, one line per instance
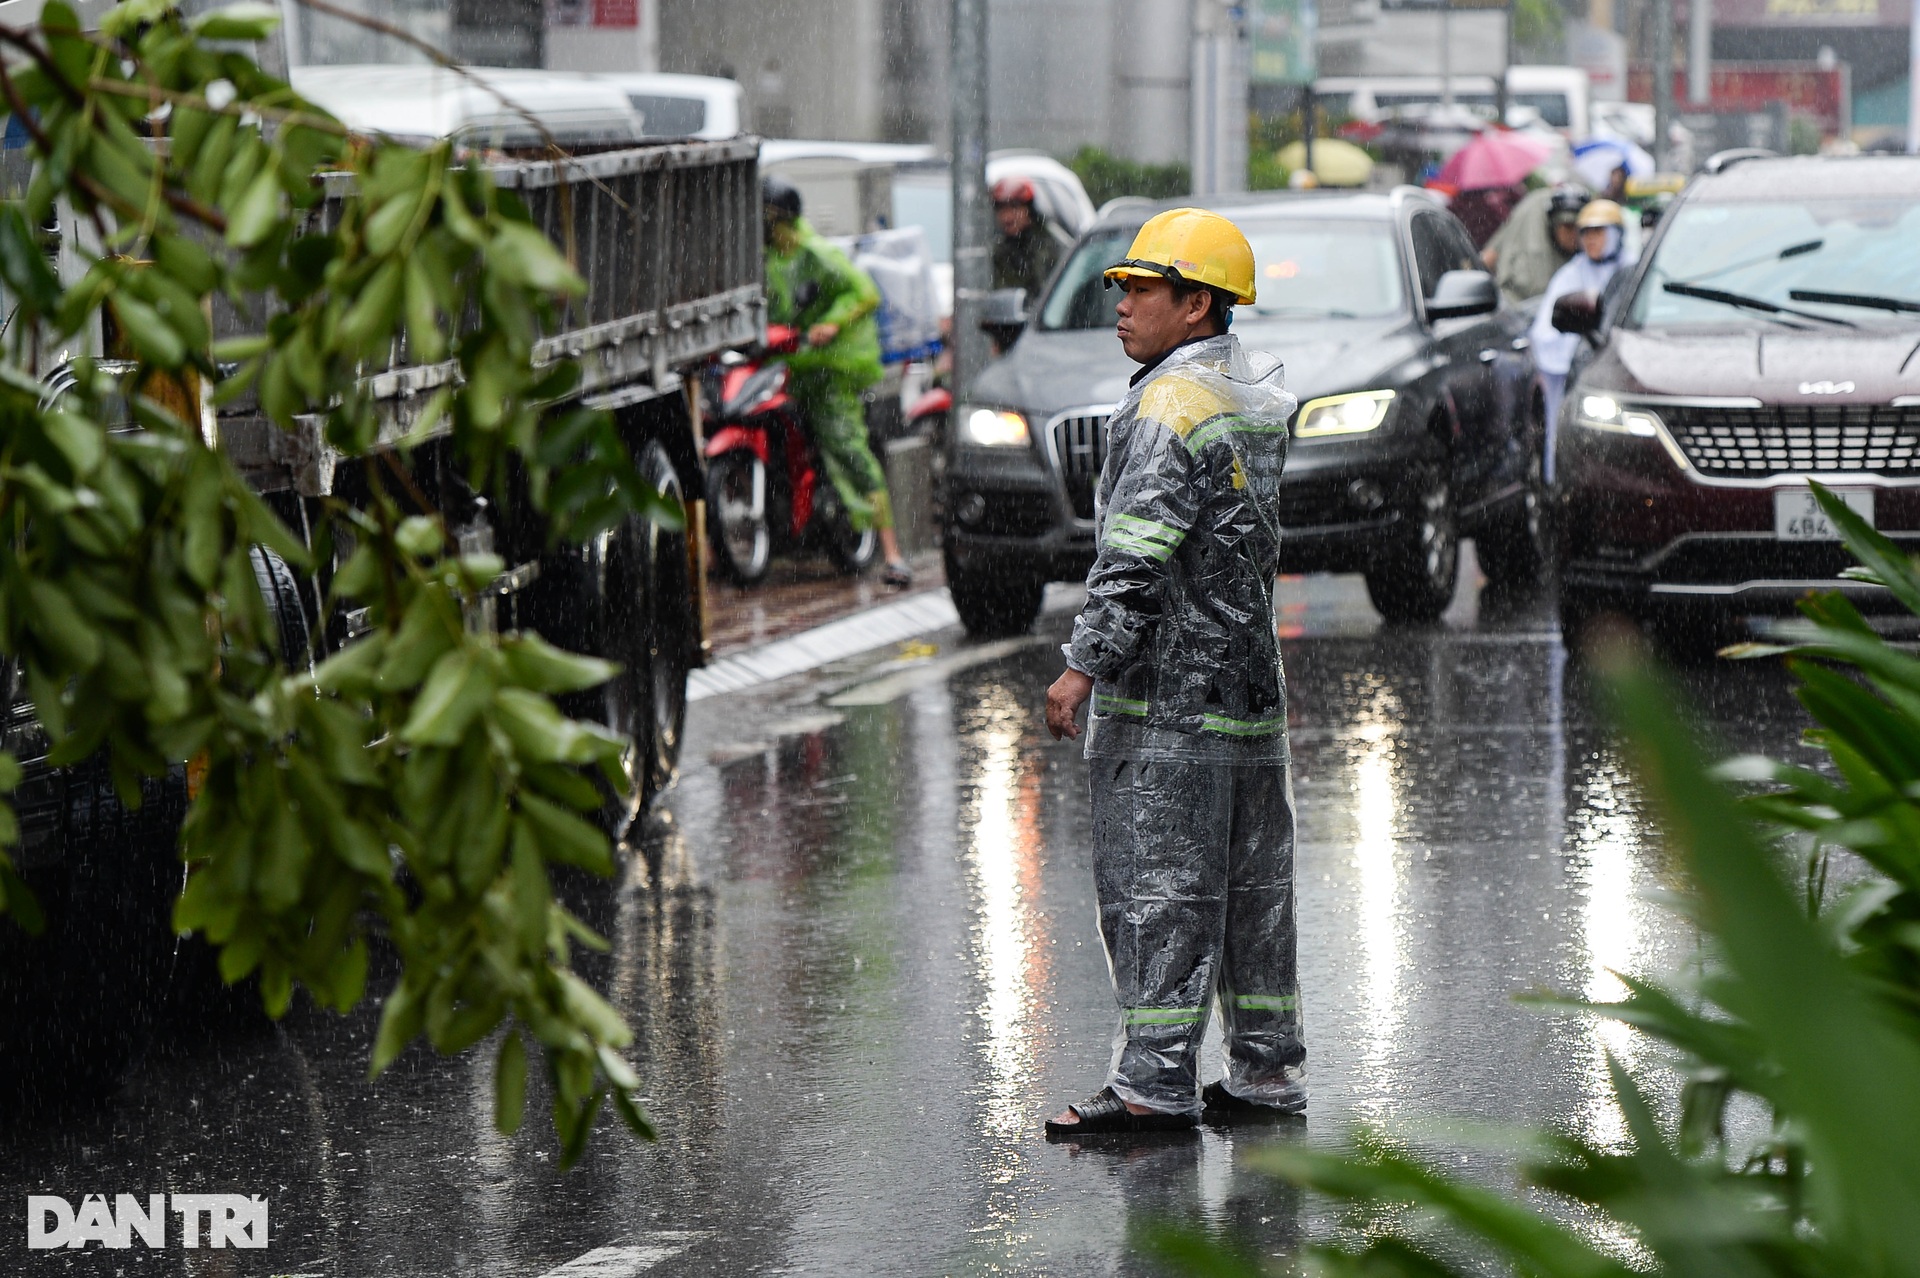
[1602, 228]
[811, 286]
[1176, 648]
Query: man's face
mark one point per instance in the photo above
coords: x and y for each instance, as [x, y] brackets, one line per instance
[1594, 241]
[1566, 237]
[1013, 218]
[780, 233]
[1153, 319]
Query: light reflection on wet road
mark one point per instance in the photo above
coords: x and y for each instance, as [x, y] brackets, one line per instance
[859, 957]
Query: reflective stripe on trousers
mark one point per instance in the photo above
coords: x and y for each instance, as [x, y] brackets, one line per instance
[1193, 867]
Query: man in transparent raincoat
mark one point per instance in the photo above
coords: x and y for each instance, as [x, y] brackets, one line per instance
[1186, 741]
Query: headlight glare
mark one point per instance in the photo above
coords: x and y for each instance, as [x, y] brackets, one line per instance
[1343, 414]
[995, 427]
[1603, 412]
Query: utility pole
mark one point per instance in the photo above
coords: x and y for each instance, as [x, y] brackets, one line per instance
[971, 265]
[1663, 80]
[1913, 80]
[1699, 53]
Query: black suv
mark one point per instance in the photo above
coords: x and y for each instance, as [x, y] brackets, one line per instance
[1418, 422]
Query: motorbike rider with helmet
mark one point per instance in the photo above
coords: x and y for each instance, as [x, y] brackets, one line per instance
[1602, 230]
[1028, 249]
[1536, 241]
[813, 287]
[1176, 648]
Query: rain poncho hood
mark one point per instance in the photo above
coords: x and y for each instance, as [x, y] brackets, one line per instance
[815, 283]
[1178, 630]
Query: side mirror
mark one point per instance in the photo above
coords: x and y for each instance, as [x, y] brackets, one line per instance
[1576, 313]
[1004, 316]
[1461, 293]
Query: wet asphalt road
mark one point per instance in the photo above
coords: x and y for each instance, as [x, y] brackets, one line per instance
[858, 950]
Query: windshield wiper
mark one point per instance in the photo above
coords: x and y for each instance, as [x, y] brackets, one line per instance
[1867, 301]
[1747, 303]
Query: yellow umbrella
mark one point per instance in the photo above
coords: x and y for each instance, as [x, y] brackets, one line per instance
[1336, 162]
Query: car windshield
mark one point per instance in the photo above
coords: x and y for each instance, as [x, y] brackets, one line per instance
[1303, 269]
[1777, 253]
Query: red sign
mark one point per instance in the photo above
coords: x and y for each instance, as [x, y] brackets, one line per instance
[616, 13]
[1756, 86]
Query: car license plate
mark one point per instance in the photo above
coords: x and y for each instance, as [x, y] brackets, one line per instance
[1798, 517]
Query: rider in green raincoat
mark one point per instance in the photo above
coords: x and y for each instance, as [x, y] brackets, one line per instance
[811, 286]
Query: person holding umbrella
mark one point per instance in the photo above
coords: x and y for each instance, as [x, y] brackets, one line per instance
[1487, 175]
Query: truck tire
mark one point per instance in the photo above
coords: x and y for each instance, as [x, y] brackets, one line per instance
[1413, 579]
[671, 631]
[994, 603]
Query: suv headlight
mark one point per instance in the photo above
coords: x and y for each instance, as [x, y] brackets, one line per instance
[993, 427]
[1604, 412]
[1343, 414]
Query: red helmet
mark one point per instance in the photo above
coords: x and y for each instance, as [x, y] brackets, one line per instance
[1013, 190]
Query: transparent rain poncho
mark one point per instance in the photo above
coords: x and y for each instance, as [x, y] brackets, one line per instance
[1192, 810]
[1178, 629]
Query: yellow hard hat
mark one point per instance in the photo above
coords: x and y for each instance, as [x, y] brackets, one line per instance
[1192, 246]
[1600, 213]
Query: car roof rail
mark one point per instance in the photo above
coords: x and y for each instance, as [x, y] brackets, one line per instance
[1721, 161]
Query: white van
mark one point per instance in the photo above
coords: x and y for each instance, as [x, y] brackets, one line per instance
[1561, 95]
[421, 104]
[681, 106]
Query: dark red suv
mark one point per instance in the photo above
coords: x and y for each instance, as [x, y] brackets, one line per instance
[1769, 335]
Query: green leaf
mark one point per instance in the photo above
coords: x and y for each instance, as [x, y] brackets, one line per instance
[23, 264]
[244, 21]
[401, 1020]
[17, 900]
[59, 623]
[634, 1117]
[376, 310]
[256, 212]
[510, 1084]
[456, 690]
[153, 339]
[564, 837]
[534, 663]
[522, 255]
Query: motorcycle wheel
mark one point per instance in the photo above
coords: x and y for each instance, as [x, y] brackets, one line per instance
[851, 552]
[737, 515]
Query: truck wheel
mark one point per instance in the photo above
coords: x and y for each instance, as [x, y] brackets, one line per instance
[993, 604]
[1517, 545]
[670, 631]
[737, 515]
[1413, 579]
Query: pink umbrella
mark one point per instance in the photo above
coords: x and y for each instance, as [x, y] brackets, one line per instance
[1496, 158]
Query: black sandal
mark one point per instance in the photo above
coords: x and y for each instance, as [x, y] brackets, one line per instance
[1104, 1112]
[897, 575]
[1221, 1103]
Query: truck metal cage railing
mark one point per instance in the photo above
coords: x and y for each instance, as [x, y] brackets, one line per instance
[668, 241]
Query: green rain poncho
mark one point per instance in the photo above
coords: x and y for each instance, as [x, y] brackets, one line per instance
[816, 284]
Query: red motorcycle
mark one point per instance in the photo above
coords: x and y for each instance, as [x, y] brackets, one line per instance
[766, 488]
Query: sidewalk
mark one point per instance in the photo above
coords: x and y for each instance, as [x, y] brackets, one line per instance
[801, 593]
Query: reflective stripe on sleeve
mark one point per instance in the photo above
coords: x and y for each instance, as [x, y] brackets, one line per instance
[1143, 537]
[1221, 427]
[1107, 703]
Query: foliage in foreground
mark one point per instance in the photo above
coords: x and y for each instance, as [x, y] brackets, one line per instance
[420, 781]
[1810, 1007]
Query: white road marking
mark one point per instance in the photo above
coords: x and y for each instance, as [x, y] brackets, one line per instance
[811, 649]
[629, 1260]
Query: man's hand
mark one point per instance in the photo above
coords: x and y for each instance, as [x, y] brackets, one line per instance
[1064, 699]
[821, 334]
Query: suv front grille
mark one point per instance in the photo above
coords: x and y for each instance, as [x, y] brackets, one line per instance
[1080, 451]
[1780, 439]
